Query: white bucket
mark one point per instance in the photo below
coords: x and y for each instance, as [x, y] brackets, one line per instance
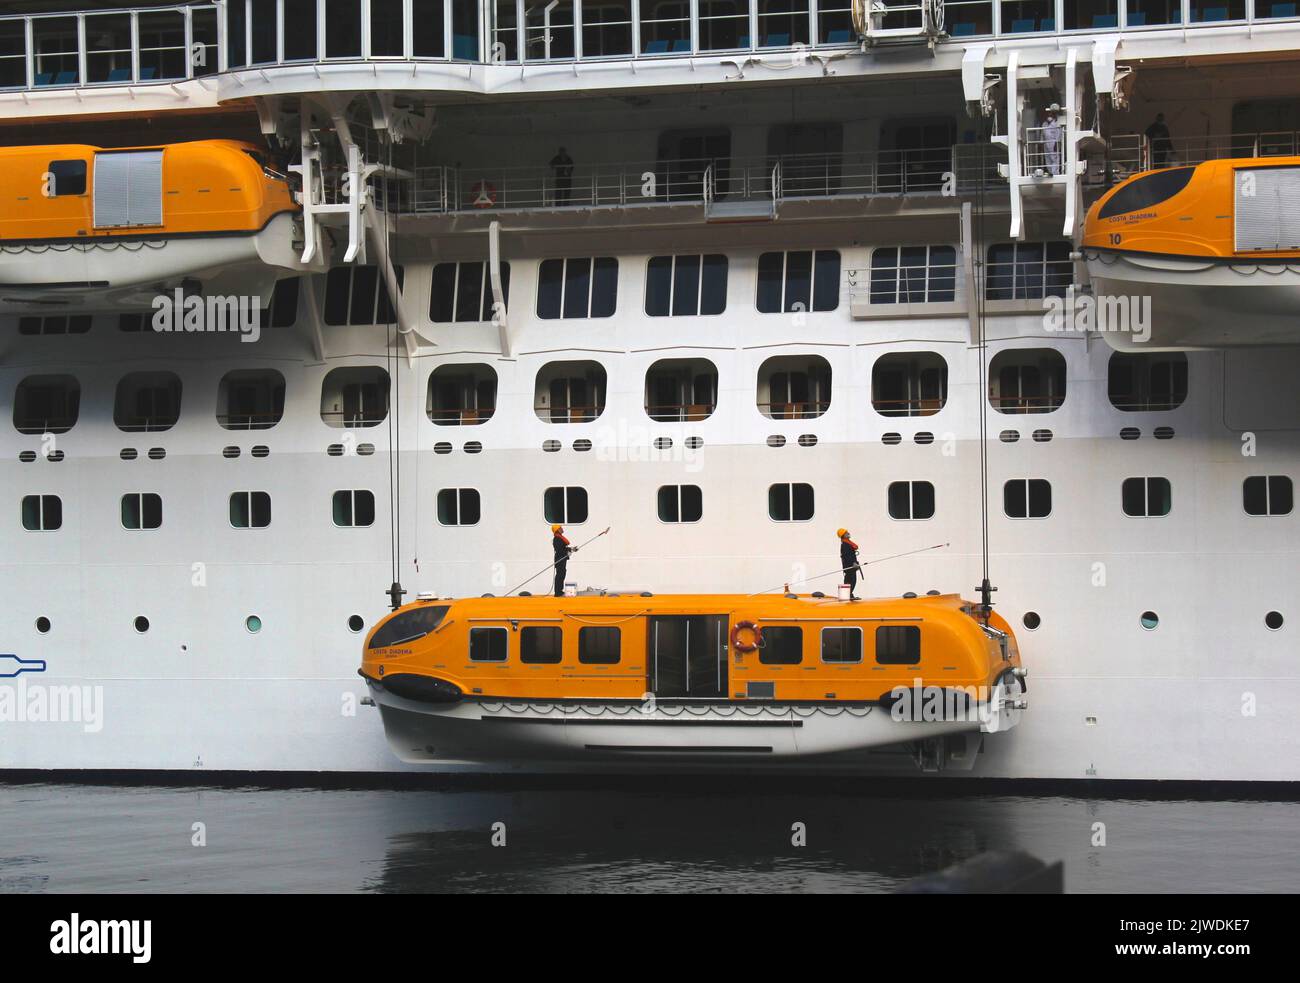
[844, 592]
[570, 588]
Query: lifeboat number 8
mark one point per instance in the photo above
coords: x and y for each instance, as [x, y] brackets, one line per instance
[736, 636]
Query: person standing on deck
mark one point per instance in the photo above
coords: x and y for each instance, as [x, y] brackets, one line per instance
[1052, 143]
[849, 561]
[1159, 142]
[562, 549]
[562, 165]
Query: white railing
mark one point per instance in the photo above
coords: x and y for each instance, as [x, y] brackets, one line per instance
[1133, 152]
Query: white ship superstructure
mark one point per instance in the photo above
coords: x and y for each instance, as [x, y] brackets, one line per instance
[714, 275]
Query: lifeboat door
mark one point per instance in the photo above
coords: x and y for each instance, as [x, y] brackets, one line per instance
[688, 656]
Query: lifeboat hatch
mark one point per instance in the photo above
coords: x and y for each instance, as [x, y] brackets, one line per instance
[688, 656]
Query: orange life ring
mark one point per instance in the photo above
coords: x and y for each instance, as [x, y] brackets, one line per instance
[750, 627]
[483, 195]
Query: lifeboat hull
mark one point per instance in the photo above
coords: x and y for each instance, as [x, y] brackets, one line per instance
[121, 274]
[733, 735]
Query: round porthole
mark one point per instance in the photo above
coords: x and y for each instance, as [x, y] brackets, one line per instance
[141, 624]
[1149, 620]
[253, 623]
[1031, 620]
[356, 623]
[43, 625]
[1272, 621]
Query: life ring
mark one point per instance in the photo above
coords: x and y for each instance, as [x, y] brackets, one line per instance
[750, 627]
[483, 195]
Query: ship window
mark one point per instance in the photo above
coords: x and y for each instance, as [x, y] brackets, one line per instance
[1147, 382]
[841, 644]
[47, 404]
[354, 508]
[782, 645]
[681, 390]
[163, 54]
[1273, 621]
[128, 189]
[408, 626]
[798, 281]
[250, 510]
[599, 645]
[141, 510]
[357, 295]
[1027, 270]
[67, 177]
[250, 399]
[724, 24]
[911, 500]
[355, 398]
[147, 402]
[565, 505]
[794, 387]
[386, 29]
[1267, 495]
[13, 53]
[909, 384]
[782, 23]
[1217, 10]
[42, 513]
[1027, 16]
[686, 286]
[299, 30]
[577, 288]
[459, 507]
[1027, 498]
[428, 29]
[681, 503]
[462, 292]
[506, 30]
[1027, 380]
[790, 502]
[966, 18]
[461, 395]
[665, 26]
[898, 645]
[282, 310]
[607, 29]
[1147, 13]
[55, 324]
[913, 275]
[343, 29]
[54, 47]
[570, 392]
[1147, 497]
[1147, 192]
[540, 646]
[488, 644]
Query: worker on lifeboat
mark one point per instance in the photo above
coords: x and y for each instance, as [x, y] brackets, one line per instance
[849, 561]
[562, 549]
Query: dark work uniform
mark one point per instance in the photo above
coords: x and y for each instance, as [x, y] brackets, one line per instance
[563, 165]
[1162, 147]
[562, 551]
[849, 561]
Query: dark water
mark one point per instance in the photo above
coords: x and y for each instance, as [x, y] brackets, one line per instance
[56, 838]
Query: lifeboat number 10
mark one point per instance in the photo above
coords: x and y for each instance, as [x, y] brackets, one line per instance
[1115, 238]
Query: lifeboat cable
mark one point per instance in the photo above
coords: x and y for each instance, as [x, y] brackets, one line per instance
[393, 365]
[865, 563]
[551, 565]
[980, 268]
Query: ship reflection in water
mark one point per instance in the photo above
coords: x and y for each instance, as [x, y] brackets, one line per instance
[671, 837]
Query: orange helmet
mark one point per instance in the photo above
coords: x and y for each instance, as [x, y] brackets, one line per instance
[557, 528]
[841, 533]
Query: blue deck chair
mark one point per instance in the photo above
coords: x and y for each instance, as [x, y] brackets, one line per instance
[681, 44]
[776, 41]
[147, 72]
[66, 78]
[744, 41]
[964, 29]
[45, 78]
[1048, 24]
[839, 37]
[1282, 10]
[1021, 26]
[1137, 18]
[464, 47]
[1214, 13]
[120, 75]
[1105, 20]
[657, 47]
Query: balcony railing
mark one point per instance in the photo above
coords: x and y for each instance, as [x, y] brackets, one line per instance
[679, 412]
[436, 189]
[1133, 152]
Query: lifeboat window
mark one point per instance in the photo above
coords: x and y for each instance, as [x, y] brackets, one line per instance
[1028, 270]
[782, 645]
[459, 507]
[462, 292]
[1147, 497]
[1144, 383]
[911, 500]
[42, 513]
[488, 644]
[599, 645]
[681, 503]
[408, 626]
[67, 177]
[1027, 498]
[577, 288]
[794, 387]
[677, 286]
[1146, 192]
[909, 384]
[913, 275]
[142, 510]
[565, 505]
[250, 510]
[841, 644]
[790, 503]
[541, 646]
[354, 508]
[798, 281]
[461, 395]
[1267, 495]
[898, 645]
